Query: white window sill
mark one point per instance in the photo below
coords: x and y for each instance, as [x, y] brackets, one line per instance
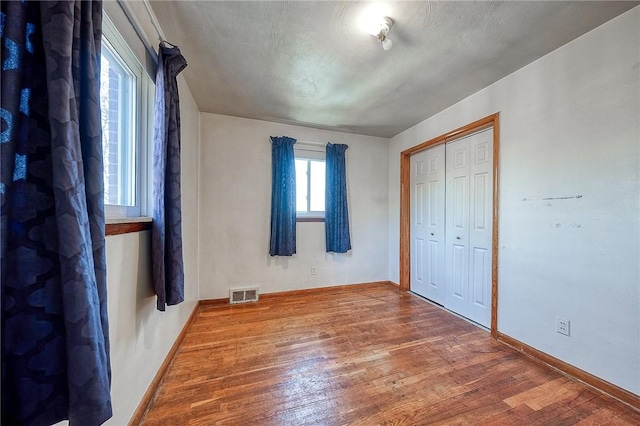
[139, 219]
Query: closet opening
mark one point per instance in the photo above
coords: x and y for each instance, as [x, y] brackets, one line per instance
[449, 220]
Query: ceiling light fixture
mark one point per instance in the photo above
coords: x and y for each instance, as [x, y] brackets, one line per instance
[383, 31]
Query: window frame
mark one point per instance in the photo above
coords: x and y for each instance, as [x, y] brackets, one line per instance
[309, 152]
[141, 128]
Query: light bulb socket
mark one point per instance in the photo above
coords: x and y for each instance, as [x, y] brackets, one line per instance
[385, 26]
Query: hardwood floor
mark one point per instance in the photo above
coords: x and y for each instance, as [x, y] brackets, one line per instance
[364, 355]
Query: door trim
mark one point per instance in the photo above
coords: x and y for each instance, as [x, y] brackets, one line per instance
[492, 120]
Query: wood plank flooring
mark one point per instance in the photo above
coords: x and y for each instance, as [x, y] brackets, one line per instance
[365, 355]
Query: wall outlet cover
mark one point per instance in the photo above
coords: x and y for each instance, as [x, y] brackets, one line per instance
[563, 327]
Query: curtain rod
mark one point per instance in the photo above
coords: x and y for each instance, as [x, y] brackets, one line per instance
[154, 20]
[139, 29]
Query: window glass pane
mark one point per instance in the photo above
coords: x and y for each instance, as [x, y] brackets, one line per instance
[317, 186]
[301, 185]
[117, 99]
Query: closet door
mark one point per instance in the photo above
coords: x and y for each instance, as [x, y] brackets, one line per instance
[427, 223]
[457, 227]
[469, 183]
[480, 227]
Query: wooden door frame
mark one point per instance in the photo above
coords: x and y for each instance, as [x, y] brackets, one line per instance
[493, 121]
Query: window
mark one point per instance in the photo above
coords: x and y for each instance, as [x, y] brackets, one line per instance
[117, 103]
[126, 103]
[310, 183]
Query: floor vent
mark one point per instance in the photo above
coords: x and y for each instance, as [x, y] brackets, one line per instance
[243, 295]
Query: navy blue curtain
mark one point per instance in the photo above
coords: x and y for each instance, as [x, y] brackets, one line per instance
[168, 268]
[55, 345]
[336, 216]
[283, 197]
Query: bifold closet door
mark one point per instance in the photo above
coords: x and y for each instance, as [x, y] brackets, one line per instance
[428, 223]
[468, 231]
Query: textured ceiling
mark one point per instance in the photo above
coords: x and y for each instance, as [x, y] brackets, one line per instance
[310, 63]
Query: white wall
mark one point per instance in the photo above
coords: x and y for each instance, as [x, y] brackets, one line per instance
[140, 335]
[235, 200]
[569, 126]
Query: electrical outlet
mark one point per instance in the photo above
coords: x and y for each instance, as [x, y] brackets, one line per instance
[563, 326]
[313, 270]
